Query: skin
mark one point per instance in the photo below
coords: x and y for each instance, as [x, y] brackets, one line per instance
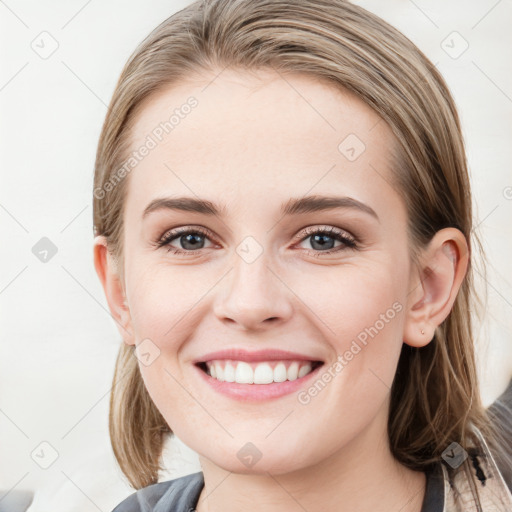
[254, 141]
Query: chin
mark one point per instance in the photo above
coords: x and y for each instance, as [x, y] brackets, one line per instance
[248, 459]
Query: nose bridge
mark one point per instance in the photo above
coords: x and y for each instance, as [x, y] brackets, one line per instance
[254, 292]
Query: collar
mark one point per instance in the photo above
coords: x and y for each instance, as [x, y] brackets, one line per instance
[476, 484]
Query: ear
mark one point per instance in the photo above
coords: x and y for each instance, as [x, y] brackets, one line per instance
[111, 281]
[434, 285]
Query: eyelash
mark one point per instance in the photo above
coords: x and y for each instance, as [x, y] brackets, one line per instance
[348, 241]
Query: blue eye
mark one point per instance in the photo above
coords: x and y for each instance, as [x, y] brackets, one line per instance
[187, 237]
[323, 238]
[193, 239]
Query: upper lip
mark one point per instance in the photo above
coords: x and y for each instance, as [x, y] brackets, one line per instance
[239, 354]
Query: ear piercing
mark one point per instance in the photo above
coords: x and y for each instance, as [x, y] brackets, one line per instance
[422, 331]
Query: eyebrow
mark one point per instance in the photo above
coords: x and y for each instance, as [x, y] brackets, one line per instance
[294, 206]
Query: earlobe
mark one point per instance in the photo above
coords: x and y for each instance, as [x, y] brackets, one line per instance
[112, 286]
[434, 286]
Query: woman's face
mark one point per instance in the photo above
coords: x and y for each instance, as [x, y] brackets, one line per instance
[271, 270]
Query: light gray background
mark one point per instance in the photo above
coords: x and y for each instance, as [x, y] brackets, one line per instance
[58, 342]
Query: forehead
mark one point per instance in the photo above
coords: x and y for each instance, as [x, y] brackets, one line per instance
[260, 133]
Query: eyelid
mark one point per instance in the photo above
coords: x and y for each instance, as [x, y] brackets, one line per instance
[173, 233]
[309, 230]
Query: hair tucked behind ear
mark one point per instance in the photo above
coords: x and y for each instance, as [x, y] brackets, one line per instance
[435, 395]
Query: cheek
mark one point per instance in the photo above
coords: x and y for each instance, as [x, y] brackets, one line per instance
[351, 300]
[366, 321]
[361, 313]
[163, 302]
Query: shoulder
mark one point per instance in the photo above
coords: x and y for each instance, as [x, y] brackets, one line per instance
[177, 494]
[500, 412]
[502, 406]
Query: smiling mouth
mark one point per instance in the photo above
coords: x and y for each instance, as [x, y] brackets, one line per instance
[263, 372]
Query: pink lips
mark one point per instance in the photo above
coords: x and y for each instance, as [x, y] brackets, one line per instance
[239, 354]
[257, 392]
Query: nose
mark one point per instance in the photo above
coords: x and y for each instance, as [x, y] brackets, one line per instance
[254, 297]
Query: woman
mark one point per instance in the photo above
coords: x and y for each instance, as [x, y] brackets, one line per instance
[283, 232]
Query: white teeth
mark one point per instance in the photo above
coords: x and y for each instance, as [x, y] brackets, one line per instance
[293, 371]
[280, 373]
[229, 372]
[242, 372]
[263, 374]
[304, 370]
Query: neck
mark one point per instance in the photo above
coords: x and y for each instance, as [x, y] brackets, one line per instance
[362, 476]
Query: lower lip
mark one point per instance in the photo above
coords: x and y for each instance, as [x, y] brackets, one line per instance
[257, 392]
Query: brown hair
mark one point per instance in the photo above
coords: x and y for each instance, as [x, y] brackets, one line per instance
[435, 394]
